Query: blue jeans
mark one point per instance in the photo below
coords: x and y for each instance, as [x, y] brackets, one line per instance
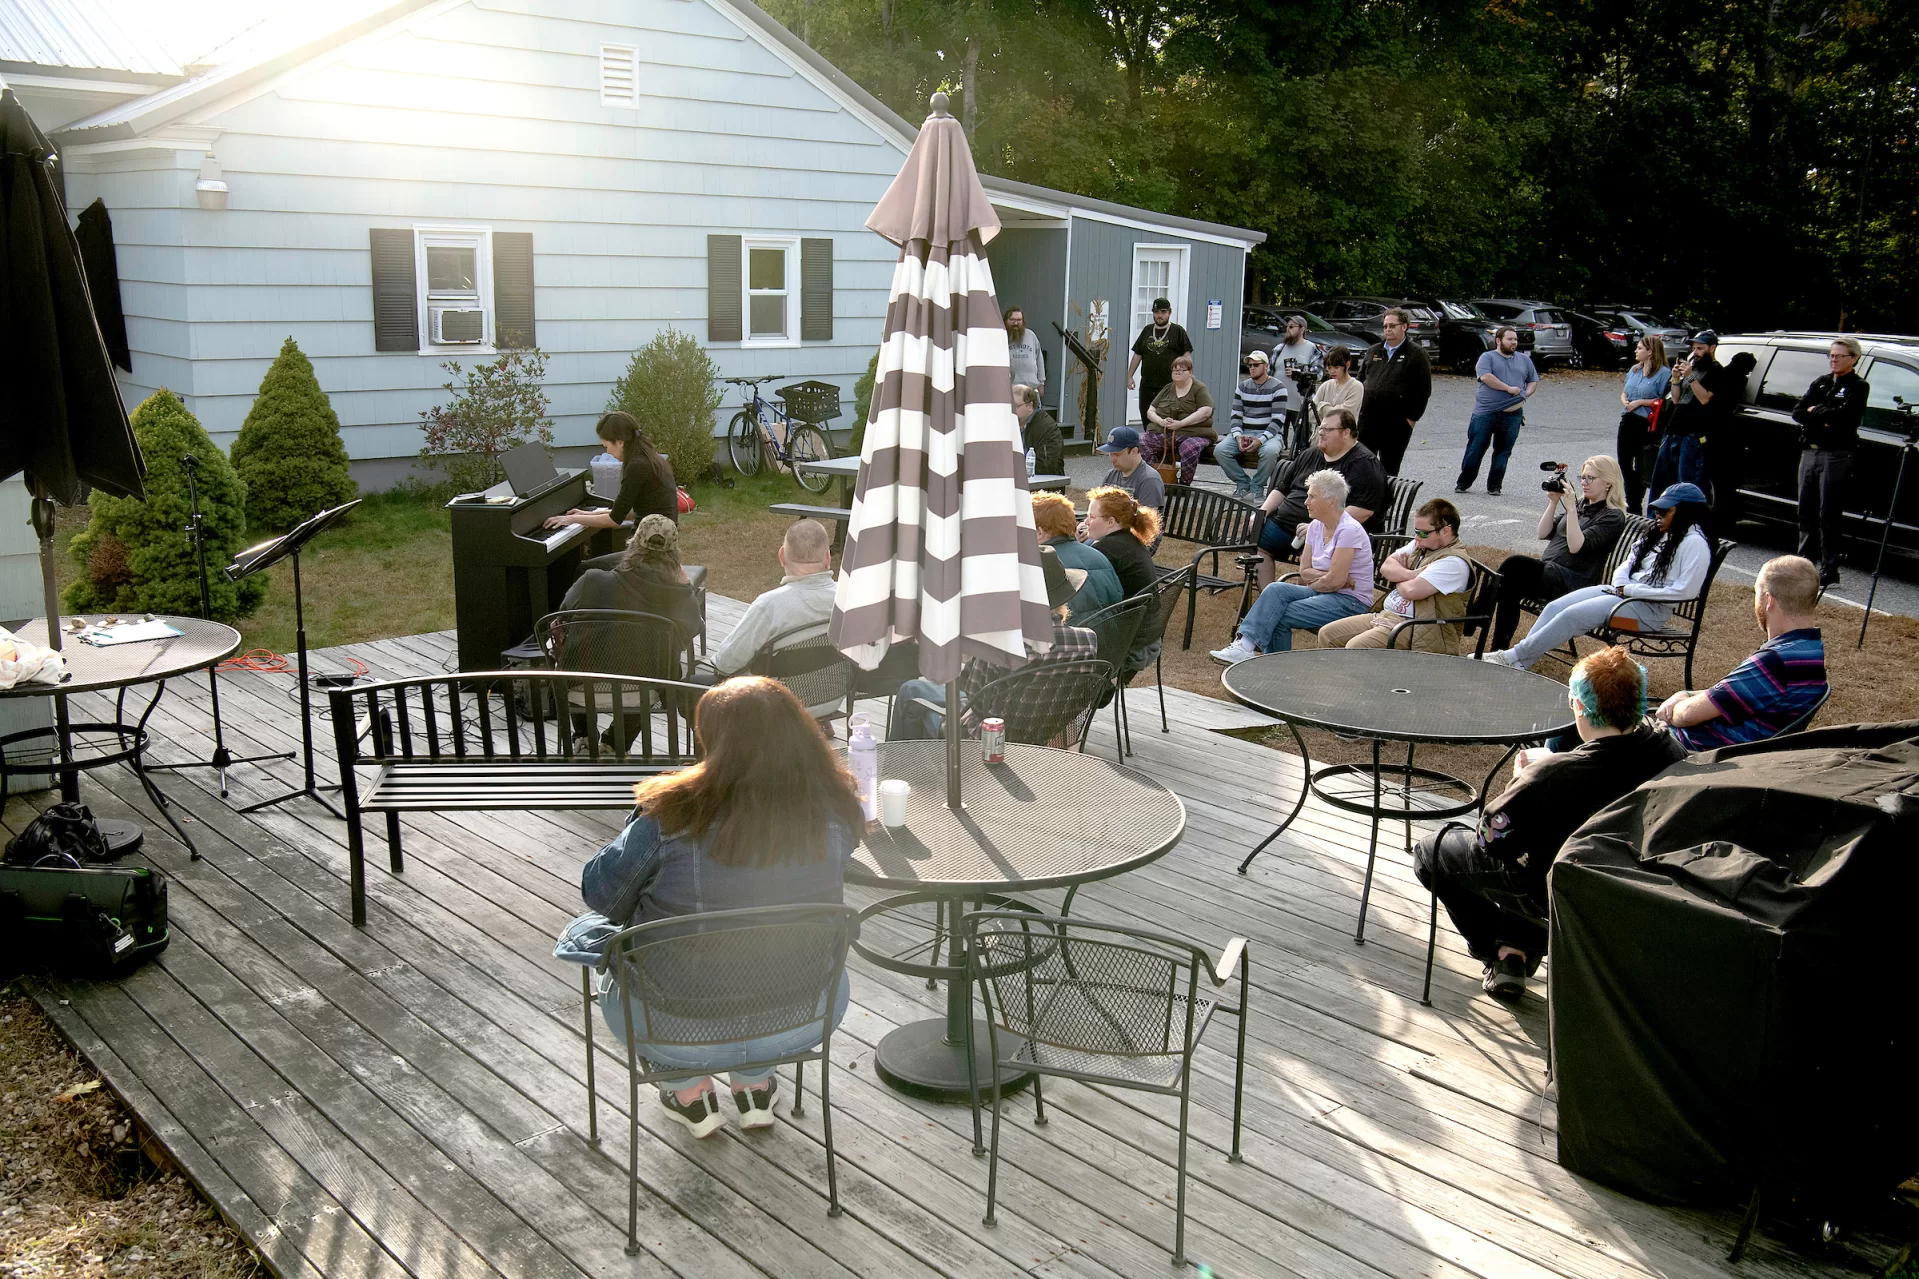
[1681, 460]
[1501, 431]
[1226, 453]
[1579, 612]
[911, 721]
[710, 1059]
[1285, 607]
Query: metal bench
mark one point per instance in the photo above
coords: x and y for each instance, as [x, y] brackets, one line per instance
[835, 516]
[441, 744]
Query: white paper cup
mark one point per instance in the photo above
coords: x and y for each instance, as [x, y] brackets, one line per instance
[893, 793]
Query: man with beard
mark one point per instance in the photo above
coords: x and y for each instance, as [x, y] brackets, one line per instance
[1154, 350]
[1399, 381]
[1024, 357]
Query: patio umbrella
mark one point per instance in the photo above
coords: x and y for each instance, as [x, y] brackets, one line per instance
[940, 545]
[61, 419]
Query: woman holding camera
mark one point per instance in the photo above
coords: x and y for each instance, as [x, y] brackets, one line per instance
[1579, 533]
[1638, 444]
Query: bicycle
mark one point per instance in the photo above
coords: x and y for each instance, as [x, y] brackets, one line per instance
[761, 429]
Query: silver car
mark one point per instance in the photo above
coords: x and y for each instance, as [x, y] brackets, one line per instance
[1552, 331]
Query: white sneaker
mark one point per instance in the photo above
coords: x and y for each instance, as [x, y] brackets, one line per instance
[1238, 651]
[1501, 657]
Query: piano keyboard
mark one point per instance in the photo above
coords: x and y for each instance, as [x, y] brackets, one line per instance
[561, 536]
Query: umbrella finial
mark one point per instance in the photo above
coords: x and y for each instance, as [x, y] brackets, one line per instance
[941, 105]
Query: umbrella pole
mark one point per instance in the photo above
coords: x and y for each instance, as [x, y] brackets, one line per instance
[953, 797]
[41, 510]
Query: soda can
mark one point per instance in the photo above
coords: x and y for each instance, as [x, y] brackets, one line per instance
[992, 740]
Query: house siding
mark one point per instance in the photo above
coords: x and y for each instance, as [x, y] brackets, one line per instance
[491, 116]
[1102, 267]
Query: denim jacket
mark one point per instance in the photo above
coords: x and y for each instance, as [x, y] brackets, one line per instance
[641, 876]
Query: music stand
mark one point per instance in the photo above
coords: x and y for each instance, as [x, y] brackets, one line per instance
[265, 555]
[223, 758]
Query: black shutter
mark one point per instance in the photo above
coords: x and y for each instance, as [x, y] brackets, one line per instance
[816, 290]
[396, 313]
[723, 320]
[513, 289]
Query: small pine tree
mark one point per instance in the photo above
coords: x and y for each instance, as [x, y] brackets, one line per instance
[672, 390]
[134, 555]
[289, 451]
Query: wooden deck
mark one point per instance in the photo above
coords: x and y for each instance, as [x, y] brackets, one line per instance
[409, 1099]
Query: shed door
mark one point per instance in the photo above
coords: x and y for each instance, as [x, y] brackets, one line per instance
[1159, 271]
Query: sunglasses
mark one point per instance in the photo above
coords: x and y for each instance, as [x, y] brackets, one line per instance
[1423, 532]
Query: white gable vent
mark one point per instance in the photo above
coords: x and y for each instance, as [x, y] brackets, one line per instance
[619, 80]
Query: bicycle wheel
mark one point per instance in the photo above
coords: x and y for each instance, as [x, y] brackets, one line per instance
[810, 444]
[743, 442]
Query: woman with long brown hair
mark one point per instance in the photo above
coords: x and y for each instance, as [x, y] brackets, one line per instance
[768, 818]
[1124, 532]
[646, 481]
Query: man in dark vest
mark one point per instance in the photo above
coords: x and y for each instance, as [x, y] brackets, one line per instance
[1399, 381]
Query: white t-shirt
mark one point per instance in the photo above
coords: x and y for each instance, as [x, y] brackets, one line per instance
[1447, 576]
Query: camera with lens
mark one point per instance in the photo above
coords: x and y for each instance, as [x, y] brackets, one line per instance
[1557, 484]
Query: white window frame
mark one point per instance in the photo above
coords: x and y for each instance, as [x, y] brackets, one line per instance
[789, 245]
[480, 240]
[1176, 293]
[630, 55]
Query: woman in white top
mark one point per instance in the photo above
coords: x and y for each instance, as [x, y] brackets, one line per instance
[1335, 577]
[1339, 389]
[1667, 566]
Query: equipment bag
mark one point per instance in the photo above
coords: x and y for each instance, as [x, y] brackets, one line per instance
[66, 833]
[102, 920]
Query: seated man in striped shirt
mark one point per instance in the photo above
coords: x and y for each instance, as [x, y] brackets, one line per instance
[1776, 685]
[1257, 430]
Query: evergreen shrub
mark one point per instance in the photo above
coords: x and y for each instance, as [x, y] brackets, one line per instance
[289, 451]
[136, 557]
[672, 390]
[863, 403]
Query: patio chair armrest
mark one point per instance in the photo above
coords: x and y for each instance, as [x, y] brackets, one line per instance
[1393, 638]
[938, 708]
[1232, 958]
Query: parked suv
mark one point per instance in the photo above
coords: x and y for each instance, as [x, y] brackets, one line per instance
[1637, 321]
[1552, 331]
[1263, 327]
[1466, 333]
[1599, 342]
[1362, 317]
[1768, 484]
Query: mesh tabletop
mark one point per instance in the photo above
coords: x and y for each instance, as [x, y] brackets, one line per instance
[1402, 696]
[201, 644]
[1043, 819]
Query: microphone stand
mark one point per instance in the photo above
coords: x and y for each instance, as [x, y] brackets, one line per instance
[1892, 506]
[223, 759]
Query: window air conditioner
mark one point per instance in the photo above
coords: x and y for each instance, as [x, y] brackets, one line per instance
[453, 325]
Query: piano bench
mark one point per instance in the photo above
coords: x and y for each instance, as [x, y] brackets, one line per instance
[836, 516]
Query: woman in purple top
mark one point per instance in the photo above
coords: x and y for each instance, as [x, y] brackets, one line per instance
[1335, 578]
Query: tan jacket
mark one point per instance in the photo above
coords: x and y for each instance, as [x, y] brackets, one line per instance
[1444, 607]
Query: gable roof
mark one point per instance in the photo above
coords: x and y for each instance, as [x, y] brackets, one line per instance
[143, 115]
[80, 39]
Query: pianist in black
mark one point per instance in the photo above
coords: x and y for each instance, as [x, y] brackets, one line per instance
[646, 483]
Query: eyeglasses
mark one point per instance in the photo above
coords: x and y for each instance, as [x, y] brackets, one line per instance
[1419, 532]
[1585, 478]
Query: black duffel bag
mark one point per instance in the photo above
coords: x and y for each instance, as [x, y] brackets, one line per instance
[94, 919]
[64, 835]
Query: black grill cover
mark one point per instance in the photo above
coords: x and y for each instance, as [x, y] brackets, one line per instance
[1732, 985]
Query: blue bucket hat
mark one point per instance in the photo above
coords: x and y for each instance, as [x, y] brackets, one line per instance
[1676, 494]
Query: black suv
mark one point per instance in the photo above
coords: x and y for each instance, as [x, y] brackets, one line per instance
[1362, 316]
[1466, 333]
[1768, 488]
[1599, 342]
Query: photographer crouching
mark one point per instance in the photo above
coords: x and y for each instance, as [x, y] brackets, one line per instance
[1579, 533]
[1828, 416]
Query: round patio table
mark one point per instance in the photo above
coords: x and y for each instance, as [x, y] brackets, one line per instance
[1392, 695]
[93, 669]
[1042, 819]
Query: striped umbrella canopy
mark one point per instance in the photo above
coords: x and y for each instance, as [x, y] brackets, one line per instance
[940, 546]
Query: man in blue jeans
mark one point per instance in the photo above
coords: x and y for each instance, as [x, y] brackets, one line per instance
[1506, 380]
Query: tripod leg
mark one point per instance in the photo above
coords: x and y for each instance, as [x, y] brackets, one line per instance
[1885, 536]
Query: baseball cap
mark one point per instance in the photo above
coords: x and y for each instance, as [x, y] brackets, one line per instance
[1676, 494]
[1708, 337]
[1256, 357]
[1119, 440]
[1062, 583]
[1161, 304]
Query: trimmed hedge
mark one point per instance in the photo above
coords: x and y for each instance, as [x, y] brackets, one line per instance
[289, 451]
[135, 556]
[671, 389]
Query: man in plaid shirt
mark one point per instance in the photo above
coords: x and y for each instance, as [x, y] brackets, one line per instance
[1070, 644]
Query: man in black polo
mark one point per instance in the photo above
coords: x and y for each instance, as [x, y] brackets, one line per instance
[1399, 381]
[1339, 450]
[1828, 416]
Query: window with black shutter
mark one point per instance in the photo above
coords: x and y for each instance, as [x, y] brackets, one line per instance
[725, 298]
[513, 289]
[816, 290]
[396, 314]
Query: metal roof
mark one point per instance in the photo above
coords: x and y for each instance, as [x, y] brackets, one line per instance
[78, 36]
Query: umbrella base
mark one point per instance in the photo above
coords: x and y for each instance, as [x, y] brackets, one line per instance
[917, 1060]
[122, 837]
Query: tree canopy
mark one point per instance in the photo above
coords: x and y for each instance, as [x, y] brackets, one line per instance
[1751, 162]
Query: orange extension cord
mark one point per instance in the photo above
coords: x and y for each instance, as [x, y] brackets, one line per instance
[264, 661]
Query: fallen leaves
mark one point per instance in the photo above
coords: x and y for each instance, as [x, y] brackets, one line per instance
[76, 1090]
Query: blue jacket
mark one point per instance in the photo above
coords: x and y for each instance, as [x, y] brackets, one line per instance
[1102, 583]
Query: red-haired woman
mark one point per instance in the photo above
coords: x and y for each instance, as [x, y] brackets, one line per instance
[768, 818]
